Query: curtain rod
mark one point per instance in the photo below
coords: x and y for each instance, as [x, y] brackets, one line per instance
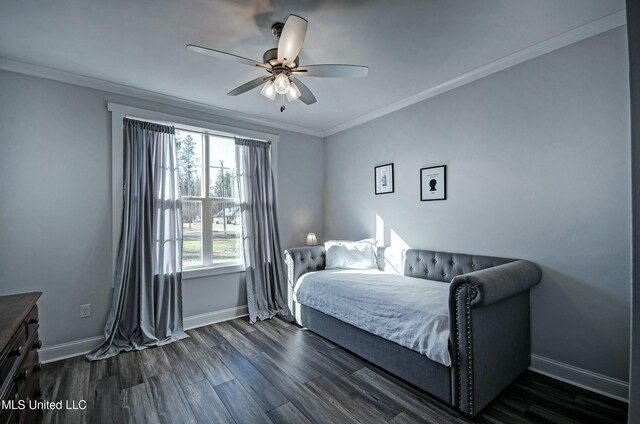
[212, 126]
[198, 130]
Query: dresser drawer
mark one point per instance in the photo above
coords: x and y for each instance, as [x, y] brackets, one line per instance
[5, 414]
[13, 353]
[32, 321]
[24, 374]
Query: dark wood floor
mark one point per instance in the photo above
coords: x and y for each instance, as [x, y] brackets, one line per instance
[274, 372]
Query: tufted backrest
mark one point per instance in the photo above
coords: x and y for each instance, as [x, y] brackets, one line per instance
[300, 260]
[444, 266]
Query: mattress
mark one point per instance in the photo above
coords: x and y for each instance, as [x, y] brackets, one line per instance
[412, 312]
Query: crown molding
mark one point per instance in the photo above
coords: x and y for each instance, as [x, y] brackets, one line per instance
[574, 35]
[125, 90]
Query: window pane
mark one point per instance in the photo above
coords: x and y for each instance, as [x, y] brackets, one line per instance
[191, 233]
[226, 232]
[189, 148]
[222, 171]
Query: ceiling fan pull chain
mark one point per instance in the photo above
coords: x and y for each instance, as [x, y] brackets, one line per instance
[282, 108]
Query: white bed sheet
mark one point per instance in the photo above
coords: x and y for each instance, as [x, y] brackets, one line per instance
[412, 312]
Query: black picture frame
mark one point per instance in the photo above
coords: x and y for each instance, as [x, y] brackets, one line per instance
[433, 183]
[383, 179]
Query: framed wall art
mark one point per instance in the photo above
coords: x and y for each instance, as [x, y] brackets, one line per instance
[433, 183]
[383, 178]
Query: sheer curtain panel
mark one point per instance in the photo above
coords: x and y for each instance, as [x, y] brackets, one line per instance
[266, 285]
[146, 308]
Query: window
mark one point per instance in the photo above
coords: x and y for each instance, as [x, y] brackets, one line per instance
[213, 245]
[212, 229]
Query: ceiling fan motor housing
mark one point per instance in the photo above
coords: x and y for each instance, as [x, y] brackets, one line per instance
[270, 57]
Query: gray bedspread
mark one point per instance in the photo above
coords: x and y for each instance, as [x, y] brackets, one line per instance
[412, 312]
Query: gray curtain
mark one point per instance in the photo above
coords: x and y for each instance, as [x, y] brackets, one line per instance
[266, 285]
[146, 308]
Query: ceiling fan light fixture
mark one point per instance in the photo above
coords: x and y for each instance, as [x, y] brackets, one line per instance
[282, 84]
[293, 93]
[269, 90]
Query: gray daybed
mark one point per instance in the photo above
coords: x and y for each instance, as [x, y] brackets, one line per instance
[489, 340]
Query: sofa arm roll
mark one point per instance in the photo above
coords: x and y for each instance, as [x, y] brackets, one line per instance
[300, 260]
[493, 284]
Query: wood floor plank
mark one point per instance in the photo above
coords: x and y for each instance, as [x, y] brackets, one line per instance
[295, 361]
[236, 339]
[498, 412]
[341, 359]
[198, 339]
[206, 404]
[129, 369]
[154, 361]
[214, 370]
[74, 387]
[209, 335]
[287, 414]
[281, 321]
[98, 370]
[192, 344]
[285, 338]
[347, 388]
[104, 398]
[137, 405]
[242, 325]
[418, 405]
[261, 389]
[316, 410]
[240, 404]
[351, 403]
[169, 400]
[50, 383]
[184, 367]
[406, 418]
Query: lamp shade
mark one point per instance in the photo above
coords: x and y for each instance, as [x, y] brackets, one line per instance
[293, 93]
[269, 90]
[311, 239]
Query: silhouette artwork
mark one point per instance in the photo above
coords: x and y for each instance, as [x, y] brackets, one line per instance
[433, 183]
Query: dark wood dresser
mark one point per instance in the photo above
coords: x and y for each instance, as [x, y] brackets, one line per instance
[19, 364]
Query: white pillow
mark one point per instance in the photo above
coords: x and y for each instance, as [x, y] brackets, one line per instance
[350, 255]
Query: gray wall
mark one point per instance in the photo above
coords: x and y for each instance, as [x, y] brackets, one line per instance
[55, 202]
[538, 168]
[633, 31]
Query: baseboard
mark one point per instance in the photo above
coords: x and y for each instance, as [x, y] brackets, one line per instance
[68, 350]
[81, 347]
[216, 316]
[602, 384]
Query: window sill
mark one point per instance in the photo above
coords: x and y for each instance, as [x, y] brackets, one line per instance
[188, 274]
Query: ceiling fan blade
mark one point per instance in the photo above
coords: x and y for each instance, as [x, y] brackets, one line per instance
[291, 39]
[332, 71]
[224, 56]
[247, 86]
[306, 95]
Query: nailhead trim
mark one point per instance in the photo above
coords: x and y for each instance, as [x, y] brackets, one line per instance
[473, 293]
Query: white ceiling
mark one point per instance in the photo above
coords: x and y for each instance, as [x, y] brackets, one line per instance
[409, 46]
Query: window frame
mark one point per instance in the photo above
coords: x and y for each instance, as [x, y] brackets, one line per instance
[206, 202]
[118, 113]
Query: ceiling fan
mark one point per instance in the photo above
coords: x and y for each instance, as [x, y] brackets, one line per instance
[282, 65]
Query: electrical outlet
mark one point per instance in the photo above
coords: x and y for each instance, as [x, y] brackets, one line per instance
[85, 310]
